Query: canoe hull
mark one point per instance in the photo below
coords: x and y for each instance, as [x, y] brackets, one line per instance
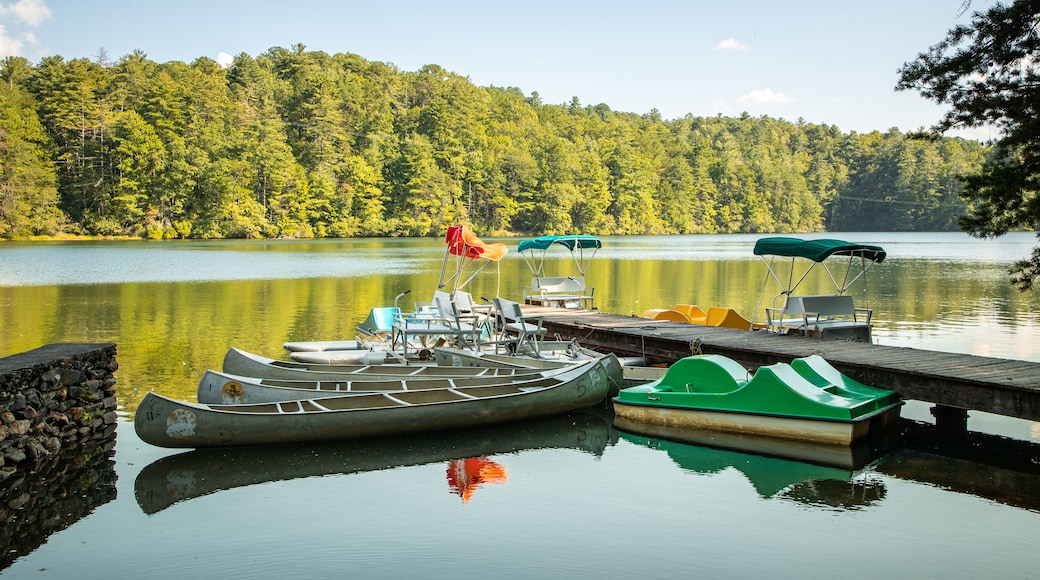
[169, 423]
[224, 389]
[453, 358]
[241, 363]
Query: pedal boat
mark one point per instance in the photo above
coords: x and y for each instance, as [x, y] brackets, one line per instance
[808, 400]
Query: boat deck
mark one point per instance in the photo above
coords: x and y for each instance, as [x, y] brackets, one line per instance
[956, 382]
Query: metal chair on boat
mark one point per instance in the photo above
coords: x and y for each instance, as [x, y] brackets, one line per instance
[511, 322]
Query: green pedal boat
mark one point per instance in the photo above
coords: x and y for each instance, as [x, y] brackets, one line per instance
[807, 400]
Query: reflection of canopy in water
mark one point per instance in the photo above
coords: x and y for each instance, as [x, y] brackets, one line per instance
[467, 475]
[467, 249]
[582, 247]
[817, 251]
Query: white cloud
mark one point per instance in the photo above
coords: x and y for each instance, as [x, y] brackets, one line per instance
[732, 44]
[26, 13]
[764, 96]
[9, 46]
[224, 59]
[31, 12]
[721, 106]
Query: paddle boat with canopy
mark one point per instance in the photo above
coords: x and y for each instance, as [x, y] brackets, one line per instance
[467, 250]
[560, 291]
[387, 329]
[834, 316]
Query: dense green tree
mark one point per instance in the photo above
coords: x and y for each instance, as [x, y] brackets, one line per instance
[297, 143]
[28, 183]
[987, 73]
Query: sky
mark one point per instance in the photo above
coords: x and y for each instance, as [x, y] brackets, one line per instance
[832, 62]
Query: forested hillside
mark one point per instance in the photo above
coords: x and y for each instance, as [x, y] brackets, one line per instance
[294, 143]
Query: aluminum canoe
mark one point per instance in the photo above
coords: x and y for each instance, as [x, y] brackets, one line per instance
[167, 422]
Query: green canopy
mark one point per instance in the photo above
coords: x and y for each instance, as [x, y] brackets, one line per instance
[533, 251]
[582, 241]
[817, 250]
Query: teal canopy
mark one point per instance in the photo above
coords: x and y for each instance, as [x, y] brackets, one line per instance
[817, 250]
[534, 251]
[580, 241]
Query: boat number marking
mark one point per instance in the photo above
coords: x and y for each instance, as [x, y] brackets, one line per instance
[180, 424]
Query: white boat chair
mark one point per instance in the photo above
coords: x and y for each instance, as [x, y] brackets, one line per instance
[512, 322]
[466, 305]
[467, 329]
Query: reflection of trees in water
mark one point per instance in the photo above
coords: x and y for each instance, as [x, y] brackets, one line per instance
[838, 495]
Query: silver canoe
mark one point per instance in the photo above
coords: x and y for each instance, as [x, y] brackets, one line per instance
[218, 388]
[239, 362]
[166, 422]
[191, 474]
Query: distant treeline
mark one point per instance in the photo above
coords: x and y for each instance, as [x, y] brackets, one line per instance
[294, 143]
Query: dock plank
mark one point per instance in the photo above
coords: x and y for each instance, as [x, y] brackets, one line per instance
[994, 385]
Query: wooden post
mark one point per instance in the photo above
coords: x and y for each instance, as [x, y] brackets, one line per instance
[950, 420]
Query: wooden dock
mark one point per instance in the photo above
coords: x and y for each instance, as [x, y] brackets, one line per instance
[955, 383]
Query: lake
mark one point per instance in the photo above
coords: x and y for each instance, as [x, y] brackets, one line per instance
[562, 497]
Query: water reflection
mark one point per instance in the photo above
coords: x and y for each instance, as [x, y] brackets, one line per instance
[845, 457]
[53, 494]
[202, 472]
[772, 476]
[992, 467]
[466, 476]
[861, 491]
[997, 468]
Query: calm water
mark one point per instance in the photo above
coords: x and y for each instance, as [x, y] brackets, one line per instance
[564, 497]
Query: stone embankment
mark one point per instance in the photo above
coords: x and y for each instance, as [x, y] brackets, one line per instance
[53, 399]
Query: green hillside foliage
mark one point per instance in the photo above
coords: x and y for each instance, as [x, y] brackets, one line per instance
[302, 144]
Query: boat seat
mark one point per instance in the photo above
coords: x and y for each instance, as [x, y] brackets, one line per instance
[442, 319]
[468, 306]
[821, 315]
[511, 322]
[559, 292]
[665, 314]
[728, 318]
[693, 312]
[380, 320]
[709, 373]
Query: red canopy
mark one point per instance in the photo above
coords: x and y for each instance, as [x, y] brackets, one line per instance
[467, 248]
